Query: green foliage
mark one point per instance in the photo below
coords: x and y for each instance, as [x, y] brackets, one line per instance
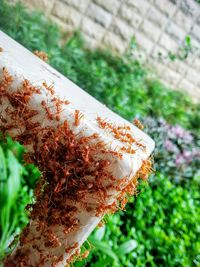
[161, 225]
[166, 222]
[121, 83]
[33, 30]
[184, 51]
[159, 228]
[15, 193]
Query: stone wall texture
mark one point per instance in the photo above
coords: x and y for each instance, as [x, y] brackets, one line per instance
[159, 27]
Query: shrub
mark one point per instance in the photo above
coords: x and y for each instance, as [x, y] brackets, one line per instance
[177, 152]
[159, 228]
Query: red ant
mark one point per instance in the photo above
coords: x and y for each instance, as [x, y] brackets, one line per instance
[137, 123]
[78, 116]
[49, 88]
[47, 109]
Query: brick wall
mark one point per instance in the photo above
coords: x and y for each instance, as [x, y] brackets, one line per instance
[159, 26]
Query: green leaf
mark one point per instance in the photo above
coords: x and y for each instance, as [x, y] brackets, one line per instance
[99, 234]
[15, 170]
[126, 247]
[3, 177]
[104, 247]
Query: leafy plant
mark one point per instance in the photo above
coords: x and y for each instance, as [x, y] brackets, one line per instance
[122, 83]
[177, 152]
[15, 193]
[160, 227]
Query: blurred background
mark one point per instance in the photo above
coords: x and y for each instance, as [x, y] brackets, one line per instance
[142, 59]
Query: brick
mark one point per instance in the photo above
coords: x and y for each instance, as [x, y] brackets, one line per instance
[99, 15]
[139, 55]
[12, 2]
[171, 76]
[189, 60]
[111, 5]
[196, 31]
[158, 67]
[89, 41]
[178, 66]
[176, 32]
[175, 2]
[131, 15]
[191, 89]
[114, 42]
[63, 26]
[190, 8]
[60, 10]
[150, 30]
[160, 54]
[196, 63]
[166, 7]
[157, 17]
[144, 42]
[92, 29]
[167, 43]
[136, 21]
[167, 84]
[122, 28]
[198, 20]
[141, 5]
[46, 5]
[67, 14]
[81, 5]
[186, 85]
[195, 44]
[195, 54]
[182, 20]
[193, 76]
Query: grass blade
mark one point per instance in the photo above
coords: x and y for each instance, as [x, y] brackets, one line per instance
[104, 247]
[126, 247]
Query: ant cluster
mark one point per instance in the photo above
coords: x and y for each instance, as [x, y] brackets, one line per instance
[42, 55]
[123, 134]
[75, 171]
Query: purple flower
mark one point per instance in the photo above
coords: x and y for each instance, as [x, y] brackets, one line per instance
[169, 146]
[180, 160]
[196, 152]
[177, 132]
[187, 155]
[188, 138]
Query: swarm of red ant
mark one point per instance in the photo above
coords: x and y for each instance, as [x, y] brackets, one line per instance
[42, 55]
[65, 161]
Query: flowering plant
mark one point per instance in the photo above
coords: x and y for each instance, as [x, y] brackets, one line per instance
[177, 151]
